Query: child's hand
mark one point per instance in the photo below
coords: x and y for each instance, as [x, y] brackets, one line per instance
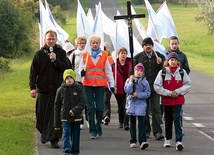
[174, 94]
[134, 94]
[132, 78]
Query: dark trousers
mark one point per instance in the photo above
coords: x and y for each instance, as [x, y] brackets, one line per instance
[94, 97]
[45, 118]
[121, 101]
[71, 138]
[173, 114]
[141, 129]
[82, 121]
[107, 103]
[153, 102]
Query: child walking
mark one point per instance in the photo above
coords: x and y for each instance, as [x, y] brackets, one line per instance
[138, 90]
[69, 104]
[172, 83]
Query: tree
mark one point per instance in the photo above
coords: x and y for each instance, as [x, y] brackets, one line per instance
[14, 35]
[64, 4]
[4, 66]
[207, 14]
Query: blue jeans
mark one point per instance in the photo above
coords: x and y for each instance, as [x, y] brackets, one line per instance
[94, 97]
[141, 129]
[154, 101]
[71, 137]
[173, 114]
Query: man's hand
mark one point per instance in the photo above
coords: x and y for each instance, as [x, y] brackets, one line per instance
[158, 60]
[83, 73]
[112, 89]
[33, 93]
[52, 56]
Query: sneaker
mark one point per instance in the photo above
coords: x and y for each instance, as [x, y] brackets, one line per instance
[126, 127]
[179, 146]
[120, 125]
[54, 145]
[106, 120]
[147, 135]
[87, 124]
[42, 140]
[167, 143]
[144, 145]
[93, 136]
[66, 153]
[133, 145]
[159, 136]
[100, 133]
[81, 126]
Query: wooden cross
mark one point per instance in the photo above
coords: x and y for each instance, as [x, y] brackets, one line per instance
[129, 18]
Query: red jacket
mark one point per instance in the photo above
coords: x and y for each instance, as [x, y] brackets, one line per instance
[122, 75]
[172, 85]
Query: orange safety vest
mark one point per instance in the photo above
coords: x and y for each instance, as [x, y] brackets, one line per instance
[95, 74]
[110, 59]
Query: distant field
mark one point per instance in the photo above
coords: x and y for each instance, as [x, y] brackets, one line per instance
[194, 40]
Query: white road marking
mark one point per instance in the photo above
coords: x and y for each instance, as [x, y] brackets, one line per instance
[188, 118]
[206, 135]
[199, 125]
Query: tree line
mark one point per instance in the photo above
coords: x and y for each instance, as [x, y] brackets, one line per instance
[19, 26]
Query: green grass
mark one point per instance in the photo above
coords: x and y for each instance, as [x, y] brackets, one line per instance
[17, 108]
[17, 131]
[194, 40]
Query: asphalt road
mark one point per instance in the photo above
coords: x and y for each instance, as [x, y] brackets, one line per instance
[198, 129]
[198, 122]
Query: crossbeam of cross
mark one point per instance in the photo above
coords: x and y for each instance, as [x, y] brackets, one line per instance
[129, 17]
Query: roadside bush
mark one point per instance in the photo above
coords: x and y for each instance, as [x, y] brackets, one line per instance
[4, 66]
[207, 14]
[15, 31]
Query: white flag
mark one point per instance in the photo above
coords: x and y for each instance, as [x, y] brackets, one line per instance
[62, 35]
[157, 46]
[165, 17]
[109, 28]
[90, 18]
[139, 25]
[122, 36]
[45, 22]
[155, 27]
[98, 25]
[82, 24]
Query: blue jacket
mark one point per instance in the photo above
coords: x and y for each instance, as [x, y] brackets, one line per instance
[138, 107]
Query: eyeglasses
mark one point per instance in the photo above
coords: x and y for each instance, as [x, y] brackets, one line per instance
[81, 43]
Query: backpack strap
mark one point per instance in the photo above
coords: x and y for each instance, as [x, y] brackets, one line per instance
[181, 71]
[163, 74]
[73, 61]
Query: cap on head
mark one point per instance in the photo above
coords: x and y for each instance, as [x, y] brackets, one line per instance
[107, 44]
[69, 72]
[68, 47]
[139, 66]
[147, 41]
[173, 55]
